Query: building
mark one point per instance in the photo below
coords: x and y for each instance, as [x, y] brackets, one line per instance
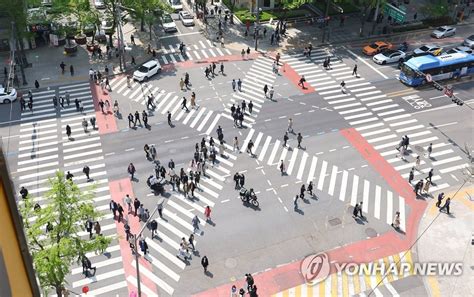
[263, 4]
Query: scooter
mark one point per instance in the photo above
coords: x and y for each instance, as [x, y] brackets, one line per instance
[246, 197]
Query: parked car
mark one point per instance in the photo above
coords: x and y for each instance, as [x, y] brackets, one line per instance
[443, 31]
[433, 49]
[376, 47]
[99, 4]
[469, 41]
[460, 49]
[147, 70]
[168, 23]
[108, 26]
[389, 56]
[176, 5]
[7, 96]
[186, 18]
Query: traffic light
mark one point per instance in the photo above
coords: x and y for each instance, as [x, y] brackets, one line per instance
[438, 86]
[457, 101]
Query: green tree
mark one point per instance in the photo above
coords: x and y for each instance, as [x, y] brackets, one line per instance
[435, 8]
[143, 11]
[52, 231]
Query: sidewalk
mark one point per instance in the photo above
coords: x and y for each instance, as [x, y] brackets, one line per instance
[448, 239]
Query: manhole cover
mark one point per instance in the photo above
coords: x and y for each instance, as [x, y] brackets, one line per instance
[230, 263]
[419, 148]
[335, 221]
[371, 232]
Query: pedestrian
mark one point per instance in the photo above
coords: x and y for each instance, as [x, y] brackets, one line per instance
[250, 106]
[89, 225]
[290, 125]
[426, 188]
[282, 167]
[131, 170]
[233, 84]
[97, 228]
[285, 139]
[86, 170]
[160, 209]
[205, 263]
[299, 138]
[137, 118]
[128, 201]
[249, 147]
[37, 85]
[86, 266]
[302, 190]
[429, 150]
[191, 241]
[181, 84]
[68, 131]
[248, 52]
[183, 104]
[446, 205]
[440, 199]
[195, 222]
[239, 85]
[113, 207]
[271, 93]
[63, 67]
[417, 162]
[418, 187]
[301, 82]
[354, 71]
[396, 221]
[132, 39]
[265, 90]
[130, 120]
[222, 68]
[143, 246]
[71, 69]
[193, 100]
[145, 118]
[133, 61]
[236, 144]
[430, 175]
[250, 281]
[243, 53]
[207, 213]
[411, 176]
[153, 228]
[169, 119]
[406, 142]
[343, 87]
[310, 188]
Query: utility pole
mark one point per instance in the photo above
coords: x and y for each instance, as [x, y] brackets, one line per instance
[326, 22]
[135, 249]
[15, 43]
[120, 37]
[376, 14]
[257, 24]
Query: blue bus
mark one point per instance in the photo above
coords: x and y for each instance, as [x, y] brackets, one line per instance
[439, 67]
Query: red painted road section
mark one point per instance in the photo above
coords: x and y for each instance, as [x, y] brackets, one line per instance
[287, 71]
[392, 242]
[118, 190]
[105, 122]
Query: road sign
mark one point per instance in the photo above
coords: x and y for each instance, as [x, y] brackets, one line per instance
[398, 14]
[429, 78]
[448, 91]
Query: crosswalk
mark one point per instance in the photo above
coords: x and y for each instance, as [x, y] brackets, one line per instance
[339, 183]
[350, 284]
[379, 118]
[44, 148]
[200, 50]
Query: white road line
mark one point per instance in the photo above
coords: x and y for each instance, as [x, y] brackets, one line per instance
[213, 124]
[332, 181]
[355, 187]
[204, 121]
[159, 282]
[98, 278]
[302, 166]
[273, 153]
[322, 175]
[264, 148]
[198, 116]
[282, 156]
[452, 159]
[342, 193]
[366, 63]
[292, 161]
[170, 104]
[257, 141]
[247, 140]
[108, 289]
[365, 205]
[312, 169]
[378, 192]
[389, 207]
[401, 209]
[188, 117]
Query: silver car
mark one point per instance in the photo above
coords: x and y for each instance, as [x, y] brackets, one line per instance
[469, 41]
[443, 31]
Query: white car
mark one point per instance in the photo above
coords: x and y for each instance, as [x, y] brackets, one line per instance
[99, 4]
[186, 18]
[469, 41]
[7, 97]
[428, 48]
[389, 56]
[168, 24]
[443, 31]
[460, 49]
[147, 70]
[176, 5]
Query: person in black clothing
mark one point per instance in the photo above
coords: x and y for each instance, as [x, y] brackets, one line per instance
[89, 226]
[120, 211]
[136, 205]
[310, 188]
[137, 118]
[153, 227]
[86, 170]
[169, 119]
[145, 118]
[63, 67]
[23, 192]
[205, 263]
[68, 131]
[285, 139]
[250, 281]
[92, 120]
[130, 120]
[69, 176]
[87, 265]
[430, 175]
[440, 199]
[446, 205]
[37, 85]
[71, 69]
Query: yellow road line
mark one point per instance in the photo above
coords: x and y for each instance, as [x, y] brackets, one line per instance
[322, 288]
[434, 286]
[345, 285]
[386, 261]
[334, 284]
[356, 284]
[402, 93]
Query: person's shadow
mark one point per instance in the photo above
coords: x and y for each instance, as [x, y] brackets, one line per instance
[209, 274]
[299, 211]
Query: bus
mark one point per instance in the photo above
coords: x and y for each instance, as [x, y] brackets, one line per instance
[441, 67]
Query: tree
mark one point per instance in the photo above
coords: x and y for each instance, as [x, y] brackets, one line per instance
[52, 231]
[435, 8]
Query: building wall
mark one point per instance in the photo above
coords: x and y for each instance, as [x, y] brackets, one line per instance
[264, 4]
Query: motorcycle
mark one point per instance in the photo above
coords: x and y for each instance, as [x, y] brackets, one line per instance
[403, 47]
[248, 197]
[156, 184]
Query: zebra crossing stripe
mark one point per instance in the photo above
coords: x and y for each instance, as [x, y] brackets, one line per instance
[98, 277]
[108, 289]
[401, 209]
[312, 169]
[197, 54]
[213, 124]
[204, 54]
[283, 155]
[196, 119]
[133, 281]
[170, 103]
[172, 50]
[299, 175]
[365, 205]
[274, 151]
[389, 207]
[257, 140]
[165, 60]
[264, 148]
[180, 115]
[355, 186]
[332, 181]
[219, 51]
[322, 175]
[378, 192]
[159, 282]
[190, 114]
[204, 121]
[292, 161]
[173, 59]
[212, 53]
[342, 193]
[247, 140]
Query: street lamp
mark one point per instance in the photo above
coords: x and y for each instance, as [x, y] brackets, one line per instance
[135, 249]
